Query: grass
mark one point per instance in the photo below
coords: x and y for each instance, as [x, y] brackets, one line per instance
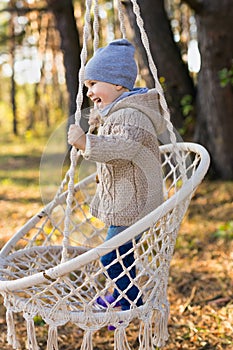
[201, 277]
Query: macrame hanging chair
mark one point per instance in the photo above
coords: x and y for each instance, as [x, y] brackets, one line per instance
[44, 272]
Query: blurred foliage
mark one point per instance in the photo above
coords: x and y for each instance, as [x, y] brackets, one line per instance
[187, 110]
[226, 76]
[187, 105]
[225, 231]
[38, 320]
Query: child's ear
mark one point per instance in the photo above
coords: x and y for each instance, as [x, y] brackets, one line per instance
[119, 87]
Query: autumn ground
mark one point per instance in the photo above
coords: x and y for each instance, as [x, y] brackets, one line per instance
[201, 276]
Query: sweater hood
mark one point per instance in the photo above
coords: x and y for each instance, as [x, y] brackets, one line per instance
[147, 103]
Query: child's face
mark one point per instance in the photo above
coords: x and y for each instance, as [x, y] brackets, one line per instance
[101, 93]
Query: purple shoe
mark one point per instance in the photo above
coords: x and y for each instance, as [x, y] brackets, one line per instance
[108, 299]
[112, 328]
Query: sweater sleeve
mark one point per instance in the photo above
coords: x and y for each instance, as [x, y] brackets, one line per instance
[124, 141]
[106, 148]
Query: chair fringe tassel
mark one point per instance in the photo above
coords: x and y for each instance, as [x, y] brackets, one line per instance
[11, 333]
[31, 333]
[145, 335]
[161, 334]
[157, 335]
[52, 343]
[87, 341]
[153, 332]
[120, 339]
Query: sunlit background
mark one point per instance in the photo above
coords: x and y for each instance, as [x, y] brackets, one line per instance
[31, 62]
[30, 59]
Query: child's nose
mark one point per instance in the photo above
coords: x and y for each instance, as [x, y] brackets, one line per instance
[89, 93]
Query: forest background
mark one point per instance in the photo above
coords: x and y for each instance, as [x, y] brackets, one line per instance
[192, 44]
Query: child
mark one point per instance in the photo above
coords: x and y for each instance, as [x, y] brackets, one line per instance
[126, 151]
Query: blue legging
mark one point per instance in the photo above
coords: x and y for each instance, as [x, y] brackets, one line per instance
[116, 269]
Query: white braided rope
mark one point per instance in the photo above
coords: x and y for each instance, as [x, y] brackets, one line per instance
[158, 86]
[121, 18]
[83, 57]
[96, 25]
[69, 200]
[74, 154]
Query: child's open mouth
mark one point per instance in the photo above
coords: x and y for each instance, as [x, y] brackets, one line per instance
[97, 102]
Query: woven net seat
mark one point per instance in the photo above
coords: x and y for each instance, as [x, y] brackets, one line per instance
[35, 281]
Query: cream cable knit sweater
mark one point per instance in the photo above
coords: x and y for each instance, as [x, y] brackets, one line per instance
[128, 160]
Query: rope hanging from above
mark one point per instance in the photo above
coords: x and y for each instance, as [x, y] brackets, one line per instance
[44, 272]
[74, 154]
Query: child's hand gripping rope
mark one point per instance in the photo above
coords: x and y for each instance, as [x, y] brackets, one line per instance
[77, 137]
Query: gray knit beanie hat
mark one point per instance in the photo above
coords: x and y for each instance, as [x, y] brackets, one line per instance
[113, 64]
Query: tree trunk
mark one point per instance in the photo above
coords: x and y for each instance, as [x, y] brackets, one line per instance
[13, 84]
[70, 45]
[215, 103]
[13, 96]
[166, 55]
